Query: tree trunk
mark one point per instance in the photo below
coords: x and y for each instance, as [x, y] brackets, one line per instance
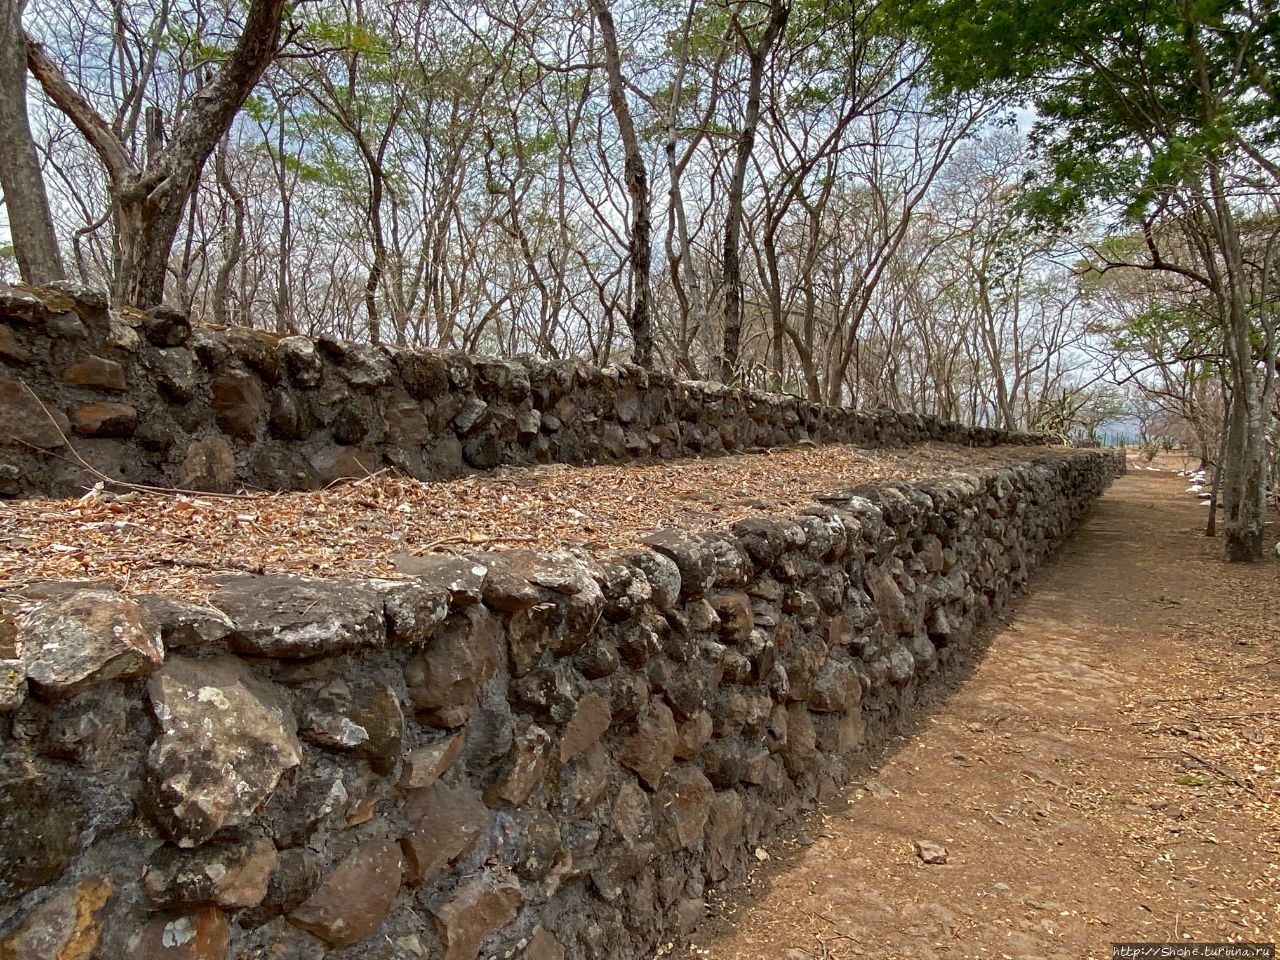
[758, 56]
[34, 244]
[636, 176]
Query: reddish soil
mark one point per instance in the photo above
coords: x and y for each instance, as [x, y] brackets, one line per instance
[1109, 770]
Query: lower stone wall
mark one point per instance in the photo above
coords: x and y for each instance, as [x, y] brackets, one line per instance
[525, 755]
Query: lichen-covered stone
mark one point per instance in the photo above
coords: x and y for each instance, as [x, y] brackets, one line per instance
[201, 935]
[693, 557]
[361, 717]
[85, 638]
[286, 616]
[225, 740]
[354, 900]
[461, 578]
[66, 926]
[835, 688]
[662, 573]
[231, 873]
[183, 624]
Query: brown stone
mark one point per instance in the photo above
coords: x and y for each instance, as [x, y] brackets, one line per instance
[684, 800]
[10, 348]
[474, 913]
[352, 903]
[445, 680]
[202, 935]
[96, 372]
[423, 766]
[238, 403]
[523, 769]
[449, 822]
[403, 422]
[724, 833]
[693, 735]
[650, 749]
[229, 874]
[85, 638]
[890, 602]
[344, 463]
[543, 946]
[588, 779]
[590, 721]
[210, 464]
[67, 926]
[106, 419]
[26, 420]
[632, 814]
[736, 617]
[801, 750]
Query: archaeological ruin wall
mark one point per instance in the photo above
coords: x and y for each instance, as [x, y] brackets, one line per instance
[524, 754]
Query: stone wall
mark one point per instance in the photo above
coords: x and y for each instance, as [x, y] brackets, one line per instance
[515, 755]
[146, 398]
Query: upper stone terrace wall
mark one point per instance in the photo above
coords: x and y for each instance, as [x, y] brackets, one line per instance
[147, 398]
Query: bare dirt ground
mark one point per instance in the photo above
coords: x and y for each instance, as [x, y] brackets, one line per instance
[1109, 771]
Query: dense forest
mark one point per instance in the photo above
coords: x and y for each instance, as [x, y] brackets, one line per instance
[1043, 215]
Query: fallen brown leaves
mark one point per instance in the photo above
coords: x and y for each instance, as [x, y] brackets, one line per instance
[170, 543]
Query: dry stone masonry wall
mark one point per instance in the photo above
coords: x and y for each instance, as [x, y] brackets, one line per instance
[510, 755]
[147, 398]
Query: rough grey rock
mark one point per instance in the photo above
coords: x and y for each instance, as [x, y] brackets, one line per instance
[225, 740]
[40, 828]
[85, 638]
[284, 616]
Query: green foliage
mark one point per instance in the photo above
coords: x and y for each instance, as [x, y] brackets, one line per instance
[1122, 117]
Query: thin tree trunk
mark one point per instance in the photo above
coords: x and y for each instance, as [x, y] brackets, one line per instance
[34, 243]
[636, 176]
[758, 56]
[222, 284]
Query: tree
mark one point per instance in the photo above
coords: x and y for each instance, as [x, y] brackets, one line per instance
[1152, 112]
[149, 194]
[636, 175]
[758, 49]
[34, 243]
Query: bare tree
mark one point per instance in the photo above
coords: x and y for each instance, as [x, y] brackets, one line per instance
[149, 195]
[30, 223]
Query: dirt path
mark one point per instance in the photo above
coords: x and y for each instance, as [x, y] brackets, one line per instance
[1109, 772]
